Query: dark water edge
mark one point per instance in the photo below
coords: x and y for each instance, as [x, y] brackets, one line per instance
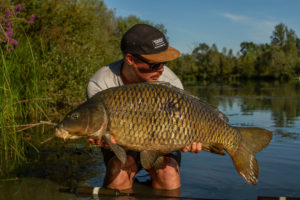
[214, 177]
[203, 175]
[274, 106]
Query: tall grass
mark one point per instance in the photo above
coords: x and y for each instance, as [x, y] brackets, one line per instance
[20, 104]
[45, 75]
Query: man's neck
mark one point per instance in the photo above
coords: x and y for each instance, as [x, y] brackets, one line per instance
[128, 74]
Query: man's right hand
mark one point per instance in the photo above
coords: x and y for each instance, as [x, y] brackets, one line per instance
[97, 142]
[102, 143]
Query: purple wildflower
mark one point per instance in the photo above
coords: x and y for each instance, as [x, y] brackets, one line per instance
[7, 14]
[9, 35]
[9, 29]
[8, 25]
[14, 42]
[17, 9]
[31, 19]
[10, 49]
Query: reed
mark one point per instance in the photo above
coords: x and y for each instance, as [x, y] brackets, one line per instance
[45, 64]
[19, 103]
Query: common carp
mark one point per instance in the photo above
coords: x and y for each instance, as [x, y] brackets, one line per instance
[156, 119]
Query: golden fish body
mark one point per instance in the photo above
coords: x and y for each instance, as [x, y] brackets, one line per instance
[160, 118]
[156, 119]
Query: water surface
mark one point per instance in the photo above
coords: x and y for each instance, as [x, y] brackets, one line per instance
[274, 106]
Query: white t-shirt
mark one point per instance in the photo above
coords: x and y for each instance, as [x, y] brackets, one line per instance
[110, 76]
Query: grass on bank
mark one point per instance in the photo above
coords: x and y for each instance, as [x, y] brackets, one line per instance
[21, 103]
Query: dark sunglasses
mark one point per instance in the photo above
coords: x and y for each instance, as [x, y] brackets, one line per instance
[152, 66]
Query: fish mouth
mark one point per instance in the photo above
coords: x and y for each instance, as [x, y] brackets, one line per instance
[64, 134]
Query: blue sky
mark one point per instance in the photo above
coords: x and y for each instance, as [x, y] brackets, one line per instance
[225, 23]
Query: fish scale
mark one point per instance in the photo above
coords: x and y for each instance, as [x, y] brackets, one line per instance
[156, 119]
[164, 114]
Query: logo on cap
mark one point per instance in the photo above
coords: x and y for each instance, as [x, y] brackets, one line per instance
[158, 43]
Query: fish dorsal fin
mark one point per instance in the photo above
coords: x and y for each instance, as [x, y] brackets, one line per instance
[118, 150]
[211, 107]
[167, 84]
[148, 158]
[218, 113]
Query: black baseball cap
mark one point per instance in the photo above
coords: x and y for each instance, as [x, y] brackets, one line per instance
[148, 42]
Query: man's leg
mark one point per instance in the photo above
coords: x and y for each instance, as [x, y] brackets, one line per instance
[168, 177]
[118, 175]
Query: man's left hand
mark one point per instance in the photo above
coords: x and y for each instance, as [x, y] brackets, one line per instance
[193, 148]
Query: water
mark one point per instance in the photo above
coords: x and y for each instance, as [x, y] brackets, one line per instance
[273, 106]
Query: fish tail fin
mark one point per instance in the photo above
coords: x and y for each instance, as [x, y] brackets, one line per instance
[253, 140]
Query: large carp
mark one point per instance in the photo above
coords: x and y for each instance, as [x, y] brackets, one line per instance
[156, 119]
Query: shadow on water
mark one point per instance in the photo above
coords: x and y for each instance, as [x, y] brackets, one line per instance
[54, 166]
[274, 106]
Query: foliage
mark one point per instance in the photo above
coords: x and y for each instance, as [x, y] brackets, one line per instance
[18, 86]
[277, 60]
[60, 45]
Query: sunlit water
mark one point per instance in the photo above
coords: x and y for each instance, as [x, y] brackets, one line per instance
[203, 175]
[213, 176]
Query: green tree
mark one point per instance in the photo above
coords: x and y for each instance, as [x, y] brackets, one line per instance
[248, 60]
[213, 61]
[199, 53]
[285, 38]
[249, 48]
[227, 63]
[124, 23]
[185, 67]
[284, 53]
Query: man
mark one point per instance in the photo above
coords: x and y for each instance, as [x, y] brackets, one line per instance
[145, 51]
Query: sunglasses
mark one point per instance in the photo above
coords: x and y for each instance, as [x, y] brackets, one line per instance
[152, 66]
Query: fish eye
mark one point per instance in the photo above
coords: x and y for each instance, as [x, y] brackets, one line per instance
[75, 115]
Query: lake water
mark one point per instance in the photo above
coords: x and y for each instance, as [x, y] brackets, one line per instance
[273, 106]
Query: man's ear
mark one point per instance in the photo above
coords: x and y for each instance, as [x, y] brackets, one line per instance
[129, 59]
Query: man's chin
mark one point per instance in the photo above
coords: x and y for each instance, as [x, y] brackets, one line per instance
[154, 78]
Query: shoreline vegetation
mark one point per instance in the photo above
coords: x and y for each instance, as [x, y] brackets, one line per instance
[49, 49]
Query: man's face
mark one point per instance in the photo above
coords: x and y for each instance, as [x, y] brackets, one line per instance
[146, 70]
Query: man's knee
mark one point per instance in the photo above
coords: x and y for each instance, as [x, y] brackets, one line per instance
[168, 172]
[167, 177]
[119, 175]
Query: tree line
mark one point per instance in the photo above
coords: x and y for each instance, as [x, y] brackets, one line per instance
[278, 59]
[73, 34]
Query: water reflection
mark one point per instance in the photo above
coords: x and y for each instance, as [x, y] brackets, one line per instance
[283, 134]
[274, 106]
[57, 165]
[281, 100]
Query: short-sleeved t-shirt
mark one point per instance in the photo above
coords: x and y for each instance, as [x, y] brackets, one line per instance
[110, 76]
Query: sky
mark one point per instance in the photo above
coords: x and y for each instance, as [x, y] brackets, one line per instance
[226, 23]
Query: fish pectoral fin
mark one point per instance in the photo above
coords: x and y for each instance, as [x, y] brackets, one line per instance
[159, 163]
[216, 148]
[148, 158]
[118, 150]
